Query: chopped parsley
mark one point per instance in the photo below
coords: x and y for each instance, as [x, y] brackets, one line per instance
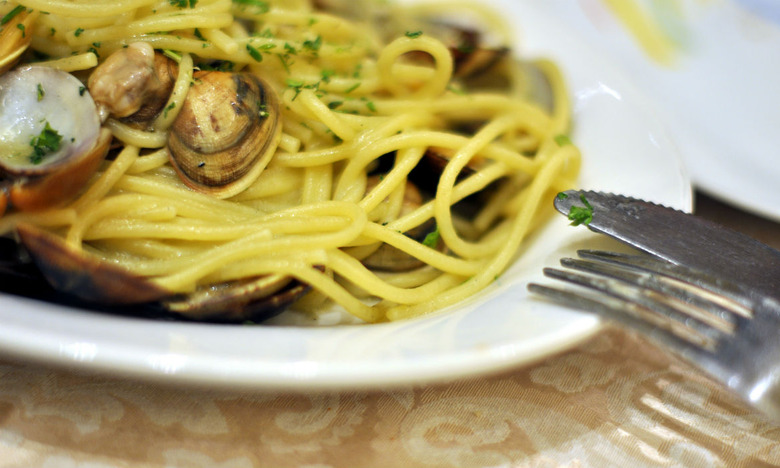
[299, 85]
[432, 238]
[40, 92]
[78, 32]
[296, 85]
[173, 55]
[335, 104]
[326, 74]
[266, 33]
[11, 14]
[183, 3]
[254, 53]
[218, 65]
[413, 34]
[285, 59]
[336, 138]
[47, 142]
[313, 46]
[562, 196]
[82, 90]
[581, 214]
[562, 140]
[456, 89]
[20, 26]
[169, 108]
[260, 5]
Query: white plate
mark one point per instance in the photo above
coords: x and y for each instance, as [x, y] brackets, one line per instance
[720, 99]
[625, 151]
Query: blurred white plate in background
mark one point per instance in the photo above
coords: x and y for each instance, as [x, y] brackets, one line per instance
[720, 93]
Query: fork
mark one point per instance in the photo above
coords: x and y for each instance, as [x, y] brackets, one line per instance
[717, 325]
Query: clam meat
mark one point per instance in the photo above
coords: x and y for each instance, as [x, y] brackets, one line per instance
[133, 83]
[51, 141]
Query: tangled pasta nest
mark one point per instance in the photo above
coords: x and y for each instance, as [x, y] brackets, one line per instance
[380, 157]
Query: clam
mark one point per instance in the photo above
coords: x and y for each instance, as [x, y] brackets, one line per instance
[78, 273]
[51, 142]
[75, 272]
[254, 299]
[430, 168]
[437, 159]
[479, 65]
[471, 57]
[15, 36]
[482, 67]
[133, 83]
[226, 132]
[389, 258]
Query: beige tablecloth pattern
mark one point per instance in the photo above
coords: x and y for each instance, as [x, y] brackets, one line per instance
[613, 401]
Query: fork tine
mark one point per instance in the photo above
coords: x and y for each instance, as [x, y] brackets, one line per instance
[722, 328]
[614, 309]
[634, 316]
[727, 294]
[647, 305]
[704, 305]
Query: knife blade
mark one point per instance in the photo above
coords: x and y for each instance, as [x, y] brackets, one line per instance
[679, 237]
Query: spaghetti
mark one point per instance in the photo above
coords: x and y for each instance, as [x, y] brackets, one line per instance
[364, 104]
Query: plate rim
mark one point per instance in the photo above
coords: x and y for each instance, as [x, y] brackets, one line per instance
[119, 359]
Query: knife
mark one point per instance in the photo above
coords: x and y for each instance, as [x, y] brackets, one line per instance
[677, 237]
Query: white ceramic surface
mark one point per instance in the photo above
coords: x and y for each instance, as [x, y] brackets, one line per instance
[625, 149]
[720, 97]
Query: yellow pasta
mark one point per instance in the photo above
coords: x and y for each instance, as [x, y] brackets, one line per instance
[83, 61]
[369, 98]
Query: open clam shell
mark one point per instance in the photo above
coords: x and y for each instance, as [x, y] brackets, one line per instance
[74, 271]
[51, 142]
[78, 273]
[254, 299]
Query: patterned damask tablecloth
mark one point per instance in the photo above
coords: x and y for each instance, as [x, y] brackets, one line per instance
[615, 400]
